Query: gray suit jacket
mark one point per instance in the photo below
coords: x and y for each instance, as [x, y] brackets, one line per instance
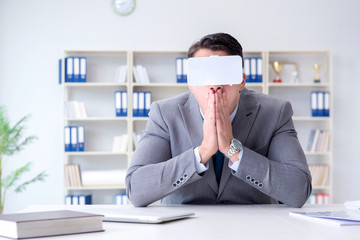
[273, 167]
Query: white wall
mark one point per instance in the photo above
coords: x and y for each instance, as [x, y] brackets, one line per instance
[34, 32]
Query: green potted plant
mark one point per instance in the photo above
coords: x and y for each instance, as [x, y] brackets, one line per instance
[11, 142]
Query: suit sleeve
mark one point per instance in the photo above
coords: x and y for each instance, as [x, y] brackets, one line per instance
[154, 173]
[283, 173]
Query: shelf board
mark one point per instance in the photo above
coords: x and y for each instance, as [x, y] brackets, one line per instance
[95, 84]
[311, 118]
[298, 85]
[160, 84]
[250, 84]
[90, 119]
[140, 118]
[317, 153]
[323, 187]
[97, 187]
[95, 153]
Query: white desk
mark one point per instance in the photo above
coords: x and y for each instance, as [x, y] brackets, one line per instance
[214, 222]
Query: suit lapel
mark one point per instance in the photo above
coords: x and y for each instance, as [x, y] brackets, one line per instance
[193, 123]
[241, 126]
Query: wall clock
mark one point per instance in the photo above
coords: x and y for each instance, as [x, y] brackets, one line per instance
[123, 7]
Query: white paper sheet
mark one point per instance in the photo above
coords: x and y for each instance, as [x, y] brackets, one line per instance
[215, 70]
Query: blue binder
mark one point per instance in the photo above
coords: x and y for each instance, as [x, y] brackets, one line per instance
[147, 103]
[123, 109]
[83, 69]
[74, 138]
[247, 69]
[69, 69]
[320, 103]
[184, 70]
[60, 61]
[135, 104]
[179, 69]
[253, 69]
[68, 200]
[75, 200]
[259, 67]
[76, 69]
[118, 103]
[326, 104]
[85, 199]
[314, 104]
[141, 104]
[81, 138]
[67, 138]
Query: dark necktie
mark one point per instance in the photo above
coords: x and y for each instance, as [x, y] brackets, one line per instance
[218, 164]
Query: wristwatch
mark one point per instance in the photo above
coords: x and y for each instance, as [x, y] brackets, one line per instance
[235, 146]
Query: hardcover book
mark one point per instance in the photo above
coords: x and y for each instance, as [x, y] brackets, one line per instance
[48, 223]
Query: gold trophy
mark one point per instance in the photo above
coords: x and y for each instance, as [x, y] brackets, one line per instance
[317, 70]
[277, 66]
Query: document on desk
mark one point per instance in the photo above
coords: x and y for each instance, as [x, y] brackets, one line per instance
[140, 215]
[339, 218]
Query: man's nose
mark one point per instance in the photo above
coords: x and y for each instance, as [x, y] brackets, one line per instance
[215, 88]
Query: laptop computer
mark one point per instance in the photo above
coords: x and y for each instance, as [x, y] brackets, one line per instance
[140, 215]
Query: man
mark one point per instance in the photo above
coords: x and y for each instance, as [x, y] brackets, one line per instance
[219, 144]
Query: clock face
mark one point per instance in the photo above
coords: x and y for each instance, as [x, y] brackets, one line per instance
[123, 7]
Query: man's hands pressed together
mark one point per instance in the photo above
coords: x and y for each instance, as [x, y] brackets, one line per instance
[216, 127]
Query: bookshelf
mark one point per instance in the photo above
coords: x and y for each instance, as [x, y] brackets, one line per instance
[102, 125]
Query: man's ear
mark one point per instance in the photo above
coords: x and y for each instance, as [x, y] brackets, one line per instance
[242, 85]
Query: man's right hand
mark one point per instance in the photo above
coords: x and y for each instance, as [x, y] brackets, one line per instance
[209, 145]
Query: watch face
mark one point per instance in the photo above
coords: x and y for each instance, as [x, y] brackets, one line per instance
[123, 7]
[237, 144]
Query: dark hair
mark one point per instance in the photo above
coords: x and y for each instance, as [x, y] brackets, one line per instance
[217, 41]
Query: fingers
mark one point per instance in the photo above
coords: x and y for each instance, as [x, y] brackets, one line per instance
[209, 145]
[223, 122]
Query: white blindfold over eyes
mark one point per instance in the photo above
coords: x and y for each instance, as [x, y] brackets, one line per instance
[214, 70]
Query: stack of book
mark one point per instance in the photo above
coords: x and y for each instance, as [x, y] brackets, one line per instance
[318, 141]
[75, 109]
[140, 74]
[120, 144]
[120, 75]
[318, 198]
[48, 223]
[319, 174]
[73, 175]
[253, 69]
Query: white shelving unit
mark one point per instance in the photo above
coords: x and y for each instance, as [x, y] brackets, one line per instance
[102, 124]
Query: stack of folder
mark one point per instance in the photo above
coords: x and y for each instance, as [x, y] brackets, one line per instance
[74, 138]
[253, 69]
[320, 103]
[141, 103]
[75, 69]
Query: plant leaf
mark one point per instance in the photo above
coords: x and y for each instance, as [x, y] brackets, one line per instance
[14, 176]
[40, 177]
[10, 137]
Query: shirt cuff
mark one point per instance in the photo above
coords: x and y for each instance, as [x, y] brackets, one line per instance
[200, 168]
[234, 166]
